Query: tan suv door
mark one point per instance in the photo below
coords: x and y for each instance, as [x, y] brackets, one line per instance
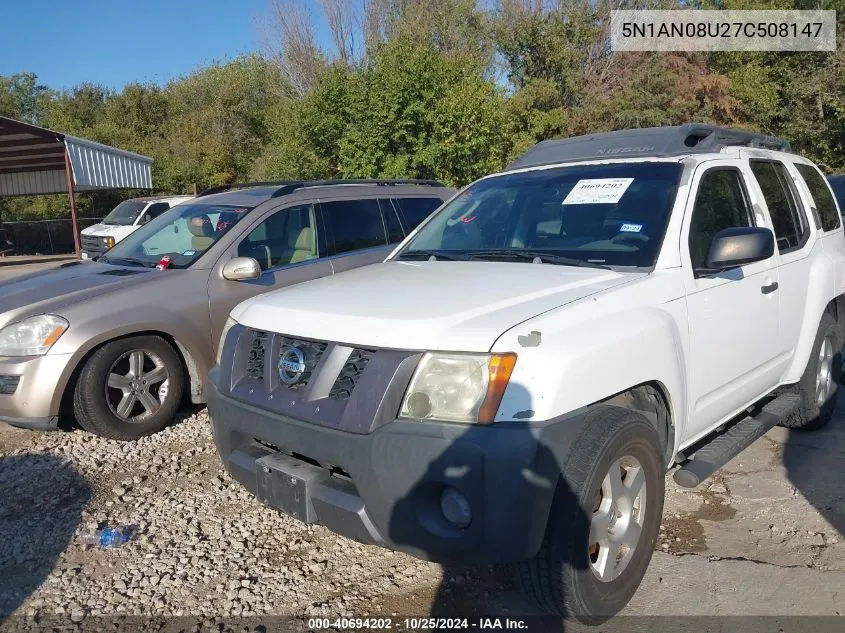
[288, 246]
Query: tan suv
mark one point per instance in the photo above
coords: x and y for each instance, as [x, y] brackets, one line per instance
[120, 341]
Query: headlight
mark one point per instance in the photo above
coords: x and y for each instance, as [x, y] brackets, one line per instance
[229, 323]
[458, 387]
[33, 336]
[108, 242]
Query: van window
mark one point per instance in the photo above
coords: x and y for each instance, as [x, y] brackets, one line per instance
[355, 224]
[822, 197]
[789, 222]
[391, 221]
[721, 203]
[287, 237]
[154, 210]
[415, 210]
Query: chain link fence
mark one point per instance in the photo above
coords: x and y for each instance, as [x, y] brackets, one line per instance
[40, 237]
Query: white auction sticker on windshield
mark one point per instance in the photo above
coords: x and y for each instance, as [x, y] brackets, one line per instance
[598, 191]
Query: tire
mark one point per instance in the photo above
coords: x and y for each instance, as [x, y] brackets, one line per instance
[564, 577]
[817, 404]
[125, 407]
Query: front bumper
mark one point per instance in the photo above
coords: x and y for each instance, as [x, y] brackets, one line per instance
[34, 403]
[384, 487]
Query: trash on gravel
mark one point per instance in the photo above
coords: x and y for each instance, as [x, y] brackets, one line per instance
[107, 537]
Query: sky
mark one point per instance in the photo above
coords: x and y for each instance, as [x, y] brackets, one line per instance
[115, 42]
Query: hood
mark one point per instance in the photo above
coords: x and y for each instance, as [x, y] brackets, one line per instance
[53, 290]
[116, 231]
[442, 305]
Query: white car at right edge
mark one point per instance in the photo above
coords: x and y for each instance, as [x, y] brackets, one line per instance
[513, 382]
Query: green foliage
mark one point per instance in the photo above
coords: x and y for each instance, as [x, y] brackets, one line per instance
[446, 89]
[21, 97]
[401, 108]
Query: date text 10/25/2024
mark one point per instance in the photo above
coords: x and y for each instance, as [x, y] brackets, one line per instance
[422, 623]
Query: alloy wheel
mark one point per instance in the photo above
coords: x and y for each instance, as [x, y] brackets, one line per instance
[137, 386]
[617, 521]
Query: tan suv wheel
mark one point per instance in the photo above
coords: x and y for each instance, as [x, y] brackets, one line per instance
[129, 388]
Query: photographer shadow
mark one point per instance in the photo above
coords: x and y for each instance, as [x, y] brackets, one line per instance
[42, 499]
[494, 590]
[814, 462]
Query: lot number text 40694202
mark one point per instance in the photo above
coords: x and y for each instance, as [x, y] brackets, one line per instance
[421, 623]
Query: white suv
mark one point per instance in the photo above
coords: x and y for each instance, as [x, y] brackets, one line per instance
[512, 383]
[123, 220]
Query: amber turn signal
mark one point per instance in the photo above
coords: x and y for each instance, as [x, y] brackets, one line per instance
[499, 369]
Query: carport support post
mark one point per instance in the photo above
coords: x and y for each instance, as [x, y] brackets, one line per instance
[69, 177]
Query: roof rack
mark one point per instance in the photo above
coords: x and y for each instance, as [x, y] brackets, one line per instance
[244, 185]
[650, 142]
[286, 187]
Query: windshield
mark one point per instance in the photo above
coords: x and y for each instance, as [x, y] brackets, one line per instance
[603, 215]
[183, 233]
[125, 213]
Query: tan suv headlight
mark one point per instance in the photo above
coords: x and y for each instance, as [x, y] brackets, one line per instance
[33, 336]
[458, 387]
[230, 322]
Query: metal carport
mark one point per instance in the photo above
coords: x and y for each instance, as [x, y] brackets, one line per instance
[35, 160]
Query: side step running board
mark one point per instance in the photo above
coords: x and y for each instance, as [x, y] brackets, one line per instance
[718, 450]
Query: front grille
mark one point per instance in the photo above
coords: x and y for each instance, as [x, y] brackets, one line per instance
[312, 351]
[256, 354]
[349, 375]
[92, 244]
[294, 365]
[9, 384]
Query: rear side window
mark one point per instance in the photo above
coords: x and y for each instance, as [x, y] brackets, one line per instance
[355, 224]
[391, 221]
[790, 223]
[415, 210]
[721, 203]
[822, 197]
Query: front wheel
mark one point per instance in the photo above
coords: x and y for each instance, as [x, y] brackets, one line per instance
[129, 388]
[604, 520]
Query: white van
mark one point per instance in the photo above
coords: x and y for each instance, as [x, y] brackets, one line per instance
[124, 220]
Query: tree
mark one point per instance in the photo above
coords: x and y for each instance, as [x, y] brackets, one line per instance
[21, 97]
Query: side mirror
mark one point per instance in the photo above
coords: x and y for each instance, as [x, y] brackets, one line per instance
[145, 219]
[739, 246]
[241, 269]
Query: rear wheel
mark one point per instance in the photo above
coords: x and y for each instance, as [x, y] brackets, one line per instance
[604, 520]
[129, 388]
[820, 382]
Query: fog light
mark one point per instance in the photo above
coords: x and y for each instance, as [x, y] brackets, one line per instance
[418, 405]
[9, 384]
[455, 507]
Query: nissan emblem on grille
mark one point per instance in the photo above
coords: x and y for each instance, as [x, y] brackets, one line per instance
[291, 365]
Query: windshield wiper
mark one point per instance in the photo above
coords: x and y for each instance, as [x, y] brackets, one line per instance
[419, 255]
[546, 258]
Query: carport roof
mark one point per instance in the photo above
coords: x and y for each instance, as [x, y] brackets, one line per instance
[32, 161]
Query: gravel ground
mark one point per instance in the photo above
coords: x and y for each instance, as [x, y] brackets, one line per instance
[201, 544]
[204, 546]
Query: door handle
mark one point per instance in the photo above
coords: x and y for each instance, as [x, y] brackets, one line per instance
[769, 288]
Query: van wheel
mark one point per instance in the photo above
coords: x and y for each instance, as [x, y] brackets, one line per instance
[129, 388]
[820, 382]
[604, 520]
